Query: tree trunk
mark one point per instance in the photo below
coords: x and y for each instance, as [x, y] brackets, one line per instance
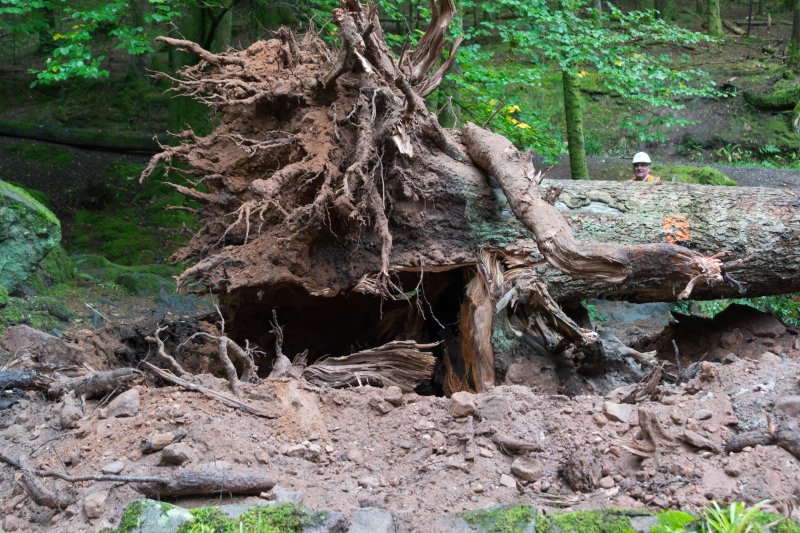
[574, 117]
[794, 44]
[714, 20]
[334, 198]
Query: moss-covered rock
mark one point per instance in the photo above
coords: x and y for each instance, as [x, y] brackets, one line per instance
[503, 519]
[3, 296]
[28, 231]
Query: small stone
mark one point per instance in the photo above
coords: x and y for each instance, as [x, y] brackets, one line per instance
[462, 403]
[382, 406]
[508, 481]
[606, 482]
[483, 452]
[126, 404]
[405, 444]
[477, 487]
[493, 407]
[676, 418]
[94, 504]
[329, 448]
[114, 468]
[768, 359]
[730, 420]
[70, 414]
[697, 440]
[730, 340]
[702, 414]
[789, 405]
[159, 441]
[730, 358]
[262, 456]
[438, 440]
[176, 454]
[368, 482]
[296, 450]
[733, 469]
[393, 395]
[12, 523]
[423, 424]
[618, 412]
[599, 419]
[281, 495]
[527, 468]
[372, 520]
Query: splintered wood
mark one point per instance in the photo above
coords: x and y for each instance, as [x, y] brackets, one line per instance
[401, 363]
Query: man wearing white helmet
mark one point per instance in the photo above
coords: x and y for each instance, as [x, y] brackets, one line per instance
[641, 168]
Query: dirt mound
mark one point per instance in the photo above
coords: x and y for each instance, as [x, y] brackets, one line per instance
[424, 456]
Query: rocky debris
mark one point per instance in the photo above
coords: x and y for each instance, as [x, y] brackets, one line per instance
[281, 495]
[702, 414]
[176, 454]
[493, 407]
[788, 405]
[382, 406]
[94, 503]
[606, 482]
[159, 441]
[70, 413]
[527, 468]
[508, 481]
[126, 404]
[582, 471]
[28, 231]
[462, 404]
[308, 450]
[394, 395]
[115, 468]
[372, 520]
[41, 346]
[618, 412]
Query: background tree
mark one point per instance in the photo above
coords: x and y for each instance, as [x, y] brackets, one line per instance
[613, 54]
[713, 18]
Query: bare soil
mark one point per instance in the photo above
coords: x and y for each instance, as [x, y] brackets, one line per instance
[411, 454]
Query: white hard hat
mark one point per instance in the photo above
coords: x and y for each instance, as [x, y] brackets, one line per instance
[641, 157]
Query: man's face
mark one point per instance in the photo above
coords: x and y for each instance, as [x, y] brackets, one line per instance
[641, 170]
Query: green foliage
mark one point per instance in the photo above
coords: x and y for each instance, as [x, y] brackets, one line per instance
[502, 519]
[281, 518]
[786, 307]
[672, 521]
[130, 520]
[46, 313]
[3, 296]
[537, 36]
[736, 518]
[47, 154]
[690, 174]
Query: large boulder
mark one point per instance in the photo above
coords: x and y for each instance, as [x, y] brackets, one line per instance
[28, 230]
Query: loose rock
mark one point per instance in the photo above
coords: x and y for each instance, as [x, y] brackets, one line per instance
[788, 405]
[94, 504]
[462, 404]
[527, 468]
[126, 404]
[618, 412]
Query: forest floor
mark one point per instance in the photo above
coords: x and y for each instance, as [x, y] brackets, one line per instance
[423, 458]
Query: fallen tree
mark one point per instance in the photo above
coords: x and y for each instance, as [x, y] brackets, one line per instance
[333, 195]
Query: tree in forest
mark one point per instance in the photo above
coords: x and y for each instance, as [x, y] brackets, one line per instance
[794, 44]
[332, 197]
[613, 53]
[713, 19]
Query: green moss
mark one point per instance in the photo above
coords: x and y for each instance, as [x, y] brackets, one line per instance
[46, 313]
[592, 522]
[54, 270]
[206, 519]
[129, 223]
[138, 280]
[3, 296]
[690, 174]
[130, 518]
[502, 519]
[46, 154]
[281, 518]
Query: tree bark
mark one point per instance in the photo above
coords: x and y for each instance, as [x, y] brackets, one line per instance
[714, 20]
[794, 44]
[574, 116]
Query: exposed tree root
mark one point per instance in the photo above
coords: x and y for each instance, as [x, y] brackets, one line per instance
[401, 363]
[96, 384]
